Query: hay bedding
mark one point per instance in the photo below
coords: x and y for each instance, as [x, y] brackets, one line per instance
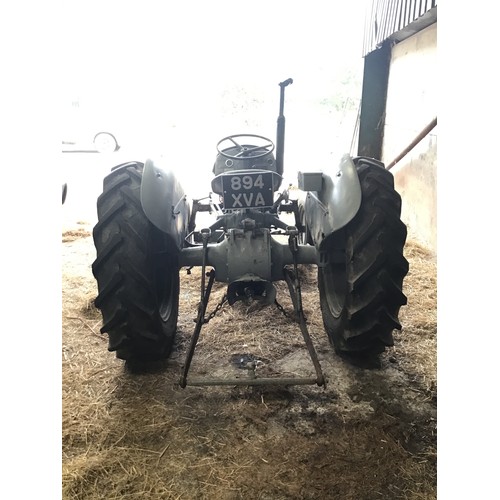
[369, 434]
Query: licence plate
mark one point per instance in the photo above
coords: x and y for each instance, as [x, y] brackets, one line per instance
[252, 190]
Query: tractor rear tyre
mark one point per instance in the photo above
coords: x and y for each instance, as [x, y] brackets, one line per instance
[136, 272]
[361, 284]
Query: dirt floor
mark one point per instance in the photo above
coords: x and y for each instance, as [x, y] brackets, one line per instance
[371, 434]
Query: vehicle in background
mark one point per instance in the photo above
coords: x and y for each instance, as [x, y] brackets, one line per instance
[102, 142]
[89, 128]
[105, 125]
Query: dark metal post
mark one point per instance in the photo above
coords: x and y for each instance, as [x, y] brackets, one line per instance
[373, 102]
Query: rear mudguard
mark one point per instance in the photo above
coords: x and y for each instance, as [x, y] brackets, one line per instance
[335, 204]
[164, 202]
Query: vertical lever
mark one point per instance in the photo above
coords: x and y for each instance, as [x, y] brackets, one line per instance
[280, 133]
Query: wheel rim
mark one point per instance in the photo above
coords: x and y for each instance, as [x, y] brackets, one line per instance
[166, 292]
[335, 288]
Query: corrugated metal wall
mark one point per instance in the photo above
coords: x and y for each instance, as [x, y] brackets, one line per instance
[386, 17]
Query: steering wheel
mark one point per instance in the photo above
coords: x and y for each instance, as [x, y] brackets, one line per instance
[243, 150]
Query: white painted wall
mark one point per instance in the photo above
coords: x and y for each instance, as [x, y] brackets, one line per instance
[412, 102]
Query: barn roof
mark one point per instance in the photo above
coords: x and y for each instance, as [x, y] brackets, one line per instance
[396, 19]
